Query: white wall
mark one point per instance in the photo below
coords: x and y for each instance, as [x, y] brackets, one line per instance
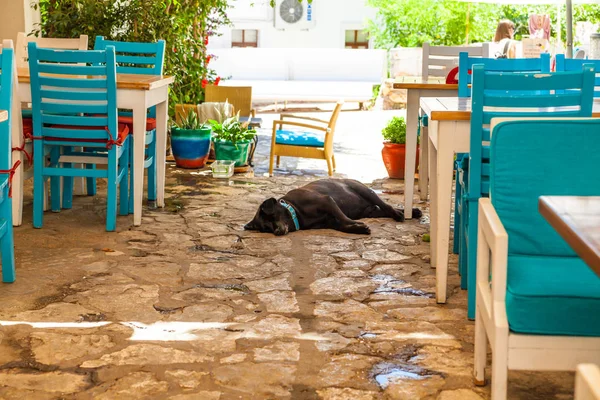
[332, 18]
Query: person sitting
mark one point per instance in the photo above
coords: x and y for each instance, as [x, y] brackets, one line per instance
[504, 37]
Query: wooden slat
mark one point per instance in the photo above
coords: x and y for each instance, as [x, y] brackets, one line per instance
[3, 115]
[416, 82]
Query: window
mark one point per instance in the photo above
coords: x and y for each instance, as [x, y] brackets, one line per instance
[244, 38]
[357, 39]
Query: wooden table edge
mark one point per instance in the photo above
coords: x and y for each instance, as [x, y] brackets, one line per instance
[581, 246]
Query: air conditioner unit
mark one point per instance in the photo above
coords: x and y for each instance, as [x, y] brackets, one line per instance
[294, 14]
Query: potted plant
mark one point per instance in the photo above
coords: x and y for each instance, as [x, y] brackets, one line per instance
[394, 148]
[232, 140]
[190, 140]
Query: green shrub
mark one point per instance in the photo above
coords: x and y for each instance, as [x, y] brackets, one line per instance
[395, 131]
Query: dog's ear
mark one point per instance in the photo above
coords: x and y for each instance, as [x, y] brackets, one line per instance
[268, 206]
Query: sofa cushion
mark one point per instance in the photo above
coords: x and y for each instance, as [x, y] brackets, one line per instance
[294, 138]
[552, 296]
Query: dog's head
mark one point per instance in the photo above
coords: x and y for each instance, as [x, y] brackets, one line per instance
[271, 217]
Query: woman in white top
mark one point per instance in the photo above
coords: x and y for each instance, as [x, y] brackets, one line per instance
[504, 37]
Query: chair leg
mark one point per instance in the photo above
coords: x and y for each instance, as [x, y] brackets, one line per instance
[480, 351]
[55, 181]
[333, 161]
[124, 182]
[111, 190]
[17, 186]
[68, 185]
[457, 194]
[329, 167]
[500, 365]
[152, 172]
[91, 182]
[278, 160]
[462, 251]
[8, 245]
[38, 184]
[472, 258]
[271, 163]
[131, 174]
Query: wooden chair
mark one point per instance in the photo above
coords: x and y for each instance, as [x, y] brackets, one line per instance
[240, 97]
[538, 304]
[7, 168]
[509, 95]
[143, 59]
[80, 43]
[587, 382]
[305, 144]
[439, 60]
[70, 110]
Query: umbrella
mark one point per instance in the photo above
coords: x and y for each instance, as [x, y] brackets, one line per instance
[569, 19]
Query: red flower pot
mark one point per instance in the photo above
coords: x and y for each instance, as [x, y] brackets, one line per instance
[394, 158]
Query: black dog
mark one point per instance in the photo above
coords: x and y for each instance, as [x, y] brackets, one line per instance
[328, 203]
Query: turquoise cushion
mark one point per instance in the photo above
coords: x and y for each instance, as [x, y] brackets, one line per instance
[532, 159]
[294, 138]
[26, 113]
[552, 296]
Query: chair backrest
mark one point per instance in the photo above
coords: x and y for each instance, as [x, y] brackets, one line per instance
[238, 96]
[532, 158]
[83, 83]
[205, 111]
[136, 57]
[80, 43]
[466, 62]
[572, 64]
[511, 94]
[7, 77]
[332, 123]
[439, 60]
[15, 110]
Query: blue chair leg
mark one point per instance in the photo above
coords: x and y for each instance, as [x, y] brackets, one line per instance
[462, 254]
[91, 182]
[124, 180]
[55, 194]
[68, 186]
[111, 190]
[152, 171]
[457, 195]
[8, 245]
[38, 184]
[472, 258]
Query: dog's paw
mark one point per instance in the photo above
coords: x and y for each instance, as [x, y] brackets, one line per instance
[358, 228]
[416, 213]
[398, 215]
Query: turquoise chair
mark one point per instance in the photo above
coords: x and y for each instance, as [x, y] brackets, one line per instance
[6, 226]
[542, 308]
[461, 165]
[137, 58]
[572, 64]
[511, 95]
[82, 83]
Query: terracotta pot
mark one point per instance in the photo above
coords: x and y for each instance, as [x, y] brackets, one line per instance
[394, 158]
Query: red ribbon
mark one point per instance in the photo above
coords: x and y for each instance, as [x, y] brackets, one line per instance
[11, 174]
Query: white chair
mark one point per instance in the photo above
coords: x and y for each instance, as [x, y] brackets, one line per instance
[587, 382]
[439, 60]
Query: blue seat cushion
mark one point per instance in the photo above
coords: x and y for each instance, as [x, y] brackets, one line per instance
[295, 138]
[552, 296]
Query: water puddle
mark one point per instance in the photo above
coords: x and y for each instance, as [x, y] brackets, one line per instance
[174, 204]
[241, 183]
[389, 191]
[367, 335]
[388, 373]
[390, 285]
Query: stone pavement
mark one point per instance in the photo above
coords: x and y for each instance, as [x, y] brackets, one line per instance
[190, 306]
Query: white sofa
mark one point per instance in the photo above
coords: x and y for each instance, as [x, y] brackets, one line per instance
[308, 75]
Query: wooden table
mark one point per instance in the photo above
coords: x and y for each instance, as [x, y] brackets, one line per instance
[577, 220]
[449, 131]
[417, 88]
[136, 93]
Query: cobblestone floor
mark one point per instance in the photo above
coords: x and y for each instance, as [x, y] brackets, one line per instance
[190, 306]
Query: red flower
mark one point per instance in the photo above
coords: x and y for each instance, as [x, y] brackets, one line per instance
[217, 81]
[208, 59]
[174, 50]
[205, 40]
[204, 83]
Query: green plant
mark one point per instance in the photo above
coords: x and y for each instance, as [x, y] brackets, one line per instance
[395, 131]
[190, 121]
[232, 130]
[185, 25]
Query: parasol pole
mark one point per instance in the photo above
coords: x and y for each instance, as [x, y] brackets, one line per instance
[569, 21]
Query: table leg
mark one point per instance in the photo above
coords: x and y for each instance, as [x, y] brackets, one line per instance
[424, 164]
[161, 150]
[443, 205]
[137, 164]
[433, 201]
[412, 121]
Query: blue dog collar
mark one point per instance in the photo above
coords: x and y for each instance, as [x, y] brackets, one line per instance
[292, 213]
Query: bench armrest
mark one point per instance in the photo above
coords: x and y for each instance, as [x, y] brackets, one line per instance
[282, 116]
[300, 124]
